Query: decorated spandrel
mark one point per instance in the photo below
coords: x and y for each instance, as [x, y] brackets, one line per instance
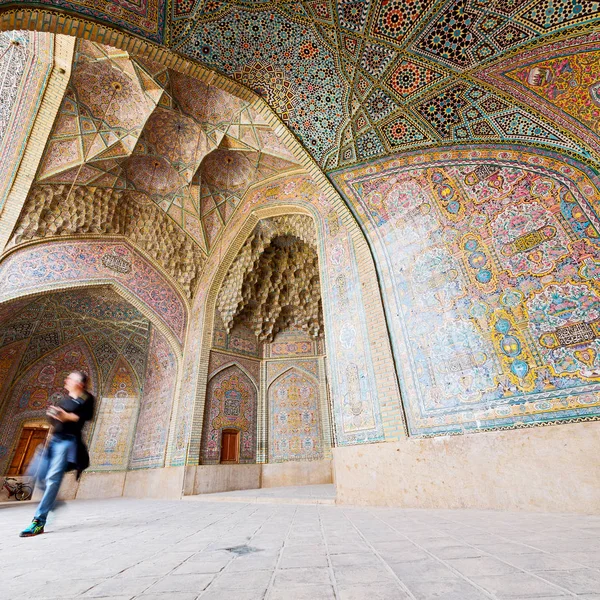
[494, 312]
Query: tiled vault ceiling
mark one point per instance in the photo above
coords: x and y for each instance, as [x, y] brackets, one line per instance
[354, 80]
[359, 79]
[149, 153]
[146, 152]
[110, 326]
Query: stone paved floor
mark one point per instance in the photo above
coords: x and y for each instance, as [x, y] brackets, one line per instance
[149, 550]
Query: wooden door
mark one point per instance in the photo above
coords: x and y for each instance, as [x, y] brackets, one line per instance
[230, 446]
[31, 438]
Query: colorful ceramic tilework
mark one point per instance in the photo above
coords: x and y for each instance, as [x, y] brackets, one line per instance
[231, 400]
[304, 60]
[115, 420]
[489, 260]
[56, 263]
[219, 360]
[276, 368]
[150, 442]
[316, 63]
[284, 61]
[144, 18]
[291, 343]
[560, 79]
[294, 421]
[161, 139]
[189, 382]
[355, 401]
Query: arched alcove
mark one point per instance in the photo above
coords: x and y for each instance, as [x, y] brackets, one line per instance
[295, 421]
[268, 323]
[96, 330]
[232, 403]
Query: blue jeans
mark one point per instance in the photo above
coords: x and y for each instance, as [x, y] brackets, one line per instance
[52, 467]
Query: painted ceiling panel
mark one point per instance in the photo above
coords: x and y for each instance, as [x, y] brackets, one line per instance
[357, 79]
[394, 73]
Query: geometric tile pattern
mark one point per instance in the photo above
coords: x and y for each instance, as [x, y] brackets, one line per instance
[144, 18]
[324, 65]
[463, 112]
[134, 126]
[280, 58]
[318, 63]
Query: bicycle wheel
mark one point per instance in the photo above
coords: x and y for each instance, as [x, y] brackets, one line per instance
[23, 493]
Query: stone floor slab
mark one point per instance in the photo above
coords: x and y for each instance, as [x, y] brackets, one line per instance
[448, 590]
[578, 581]
[171, 550]
[372, 592]
[518, 586]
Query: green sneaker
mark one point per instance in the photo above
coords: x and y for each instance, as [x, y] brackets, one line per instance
[35, 528]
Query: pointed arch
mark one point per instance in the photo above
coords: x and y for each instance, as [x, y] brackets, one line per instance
[47, 266]
[232, 404]
[40, 385]
[295, 429]
[297, 367]
[234, 362]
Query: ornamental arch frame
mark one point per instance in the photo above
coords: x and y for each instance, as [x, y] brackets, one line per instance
[58, 21]
[44, 288]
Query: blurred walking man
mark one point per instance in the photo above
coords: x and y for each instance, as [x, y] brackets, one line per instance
[66, 450]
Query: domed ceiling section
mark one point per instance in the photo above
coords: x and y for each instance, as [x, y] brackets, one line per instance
[356, 80]
[360, 79]
[146, 152]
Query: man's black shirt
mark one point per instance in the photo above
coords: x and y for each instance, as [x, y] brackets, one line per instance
[83, 407]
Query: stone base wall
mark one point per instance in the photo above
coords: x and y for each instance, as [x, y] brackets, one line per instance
[101, 485]
[168, 483]
[555, 469]
[164, 483]
[297, 473]
[208, 479]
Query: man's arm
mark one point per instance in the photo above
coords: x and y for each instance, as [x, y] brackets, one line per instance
[63, 416]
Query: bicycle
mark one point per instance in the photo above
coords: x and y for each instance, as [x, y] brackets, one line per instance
[20, 490]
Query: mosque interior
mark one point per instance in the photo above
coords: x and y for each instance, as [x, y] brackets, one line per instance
[304, 242]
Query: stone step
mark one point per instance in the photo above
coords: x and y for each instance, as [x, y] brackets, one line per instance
[306, 494]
